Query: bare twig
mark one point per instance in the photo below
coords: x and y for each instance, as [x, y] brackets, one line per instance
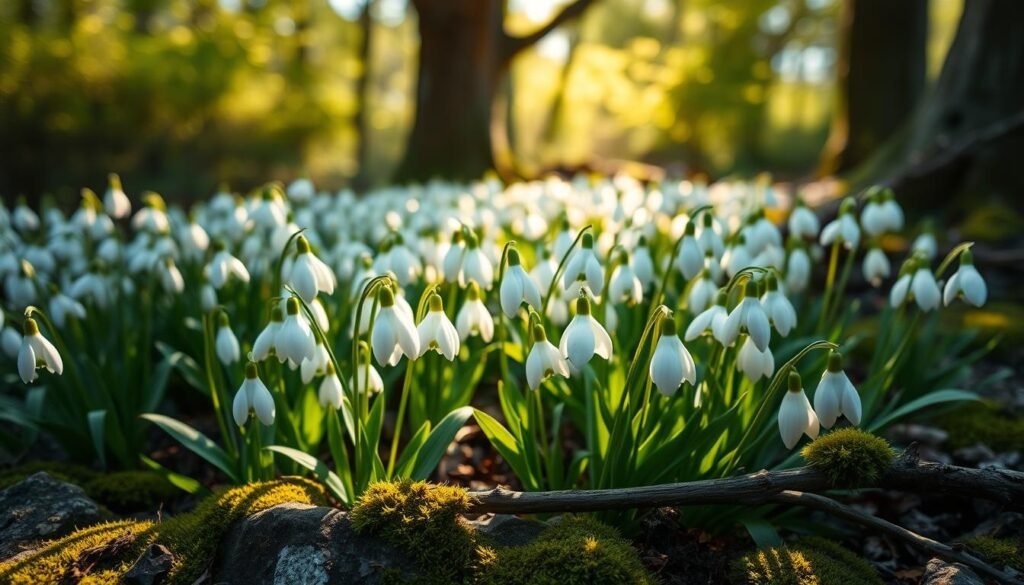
[514, 45]
[907, 473]
[922, 543]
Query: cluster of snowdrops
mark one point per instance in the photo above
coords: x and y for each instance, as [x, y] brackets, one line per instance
[607, 332]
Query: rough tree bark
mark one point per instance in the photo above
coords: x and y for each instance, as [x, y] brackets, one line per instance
[967, 132]
[464, 54]
[881, 77]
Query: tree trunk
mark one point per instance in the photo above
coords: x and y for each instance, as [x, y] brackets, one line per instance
[459, 68]
[362, 89]
[967, 133]
[464, 55]
[881, 72]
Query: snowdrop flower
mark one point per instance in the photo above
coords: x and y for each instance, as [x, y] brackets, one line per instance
[762, 233]
[517, 286]
[315, 365]
[474, 318]
[194, 241]
[452, 264]
[170, 277]
[736, 256]
[584, 337]
[264, 346]
[153, 217]
[881, 213]
[843, 228]
[207, 297]
[690, 260]
[544, 360]
[294, 341]
[61, 306]
[624, 286]
[330, 392]
[803, 223]
[10, 341]
[223, 266]
[836, 395]
[711, 320]
[543, 272]
[780, 311]
[876, 266]
[966, 283]
[436, 331]
[796, 417]
[308, 274]
[892, 210]
[709, 239]
[115, 201]
[702, 293]
[925, 289]
[24, 219]
[394, 333]
[226, 344]
[671, 363]
[367, 379]
[395, 257]
[301, 191]
[755, 363]
[798, 269]
[253, 395]
[748, 317]
[925, 245]
[476, 266]
[584, 265]
[36, 352]
[642, 263]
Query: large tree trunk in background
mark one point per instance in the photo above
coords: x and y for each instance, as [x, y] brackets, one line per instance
[362, 89]
[459, 68]
[881, 76]
[967, 134]
[464, 54]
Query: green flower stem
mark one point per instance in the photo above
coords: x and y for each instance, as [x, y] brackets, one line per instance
[399, 418]
[830, 278]
[561, 269]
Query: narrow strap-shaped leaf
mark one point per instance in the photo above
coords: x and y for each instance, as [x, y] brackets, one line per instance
[97, 430]
[407, 459]
[319, 469]
[182, 482]
[196, 442]
[437, 443]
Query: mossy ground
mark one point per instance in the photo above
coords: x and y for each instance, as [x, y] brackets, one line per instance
[425, 521]
[102, 553]
[985, 423]
[850, 457]
[812, 561]
[1001, 552]
[120, 491]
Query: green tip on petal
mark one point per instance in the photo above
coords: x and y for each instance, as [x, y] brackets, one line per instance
[292, 306]
[835, 361]
[276, 314]
[473, 291]
[436, 306]
[115, 181]
[582, 306]
[772, 281]
[302, 245]
[721, 298]
[251, 371]
[222, 319]
[668, 327]
[31, 327]
[849, 205]
[588, 240]
[539, 335]
[690, 229]
[966, 258]
[385, 297]
[513, 256]
[794, 381]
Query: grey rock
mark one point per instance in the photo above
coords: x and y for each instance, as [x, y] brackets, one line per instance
[505, 530]
[41, 508]
[939, 572]
[152, 566]
[298, 544]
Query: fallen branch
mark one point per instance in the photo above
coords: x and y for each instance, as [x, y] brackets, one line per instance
[922, 543]
[907, 474]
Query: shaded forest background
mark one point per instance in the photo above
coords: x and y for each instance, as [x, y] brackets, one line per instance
[183, 96]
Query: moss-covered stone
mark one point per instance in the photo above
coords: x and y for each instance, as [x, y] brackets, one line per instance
[575, 551]
[424, 520]
[812, 561]
[850, 457]
[120, 491]
[103, 553]
[982, 422]
[1007, 552]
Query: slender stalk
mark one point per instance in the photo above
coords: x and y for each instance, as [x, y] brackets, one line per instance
[400, 417]
[830, 278]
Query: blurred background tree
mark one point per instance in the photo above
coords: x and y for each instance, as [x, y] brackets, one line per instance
[184, 95]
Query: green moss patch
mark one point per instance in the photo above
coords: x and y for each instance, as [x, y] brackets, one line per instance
[850, 457]
[120, 491]
[985, 423]
[812, 561]
[425, 521]
[103, 553]
[575, 551]
[1008, 552]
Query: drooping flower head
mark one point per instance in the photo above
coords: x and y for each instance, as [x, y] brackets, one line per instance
[436, 331]
[253, 395]
[671, 363]
[584, 337]
[37, 352]
[966, 283]
[584, 265]
[796, 417]
[517, 286]
[836, 395]
[544, 360]
[473, 317]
